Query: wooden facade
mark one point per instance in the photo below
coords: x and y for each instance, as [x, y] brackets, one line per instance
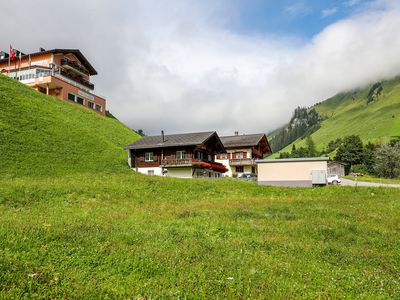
[186, 155]
[164, 156]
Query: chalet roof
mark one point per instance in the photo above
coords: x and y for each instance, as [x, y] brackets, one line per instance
[242, 140]
[172, 140]
[76, 52]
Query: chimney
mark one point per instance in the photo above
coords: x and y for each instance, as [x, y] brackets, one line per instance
[236, 133]
[163, 136]
[42, 49]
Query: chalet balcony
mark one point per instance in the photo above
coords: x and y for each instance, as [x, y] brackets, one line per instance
[189, 162]
[77, 79]
[242, 162]
[69, 64]
[181, 162]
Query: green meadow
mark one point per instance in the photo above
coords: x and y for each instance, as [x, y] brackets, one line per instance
[76, 223]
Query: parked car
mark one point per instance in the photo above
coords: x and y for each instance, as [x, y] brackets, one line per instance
[333, 179]
[248, 176]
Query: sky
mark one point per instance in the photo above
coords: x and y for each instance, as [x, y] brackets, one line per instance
[238, 65]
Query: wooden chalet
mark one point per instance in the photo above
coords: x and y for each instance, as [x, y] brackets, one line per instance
[178, 155]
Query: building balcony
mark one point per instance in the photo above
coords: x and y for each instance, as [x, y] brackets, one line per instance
[190, 162]
[242, 162]
[72, 65]
[76, 78]
[30, 75]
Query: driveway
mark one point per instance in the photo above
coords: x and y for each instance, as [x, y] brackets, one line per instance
[348, 182]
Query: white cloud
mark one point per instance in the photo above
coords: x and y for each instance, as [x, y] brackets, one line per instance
[351, 3]
[177, 66]
[329, 12]
[298, 9]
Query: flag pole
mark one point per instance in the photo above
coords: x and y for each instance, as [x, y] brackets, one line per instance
[20, 59]
[9, 62]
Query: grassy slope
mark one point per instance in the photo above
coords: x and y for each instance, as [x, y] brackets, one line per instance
[88, 227]
[349, 114]
[42, 135]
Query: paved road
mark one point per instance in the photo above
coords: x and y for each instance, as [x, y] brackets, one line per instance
[360, 183]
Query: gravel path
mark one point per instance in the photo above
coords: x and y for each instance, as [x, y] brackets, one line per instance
[348, 182]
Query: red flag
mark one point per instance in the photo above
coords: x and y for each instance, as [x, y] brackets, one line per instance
[12, 54]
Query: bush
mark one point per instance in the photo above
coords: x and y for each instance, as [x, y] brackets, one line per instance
[388, 160]
[359, 169]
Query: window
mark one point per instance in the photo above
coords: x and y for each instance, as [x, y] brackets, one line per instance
[253, 169]
[150, 172]
[148, 156]
[239, 169]
[91, 105]
[80, 100]
[71, 97]
[210, 157]
[180, 155]
[200, 155]
[98, 107]
[224, 156]
[239, 155]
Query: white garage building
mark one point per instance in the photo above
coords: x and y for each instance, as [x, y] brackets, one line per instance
[293, 171]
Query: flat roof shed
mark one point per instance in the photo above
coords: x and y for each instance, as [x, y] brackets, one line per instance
[292, 171]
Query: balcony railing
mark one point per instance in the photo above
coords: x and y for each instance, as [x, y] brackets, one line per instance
[77, 78]
[186, 162]
[179, 162]
[32, 73]
[242, 162]
[75, 65]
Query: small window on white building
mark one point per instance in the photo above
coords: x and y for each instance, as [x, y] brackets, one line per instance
[150, 172]
[239, 155]
[224, 156]
[200, 155]
[149, 156]
[180, 155]
[239, 169]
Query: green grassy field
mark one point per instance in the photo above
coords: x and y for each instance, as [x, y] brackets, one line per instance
[72, 228]
[126, 236]
[368, 178]
[348, 114]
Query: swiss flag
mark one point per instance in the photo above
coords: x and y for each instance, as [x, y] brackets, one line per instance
[12, 54]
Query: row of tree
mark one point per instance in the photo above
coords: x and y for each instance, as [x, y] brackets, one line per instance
[375, 159]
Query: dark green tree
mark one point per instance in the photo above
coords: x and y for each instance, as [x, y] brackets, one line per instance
[351, 151]
[141, 132]
[310, 146]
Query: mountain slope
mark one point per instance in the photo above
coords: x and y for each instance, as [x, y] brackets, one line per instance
[42, 135]
[374, 119]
